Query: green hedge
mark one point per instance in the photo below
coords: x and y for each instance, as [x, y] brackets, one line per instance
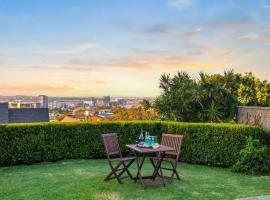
[211, 144]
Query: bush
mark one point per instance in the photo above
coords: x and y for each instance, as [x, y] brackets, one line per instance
[204, 143]
[253, 159]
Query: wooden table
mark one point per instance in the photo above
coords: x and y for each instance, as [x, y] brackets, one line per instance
[141, 154]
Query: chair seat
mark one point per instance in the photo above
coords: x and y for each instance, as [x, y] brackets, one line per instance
[123, 159]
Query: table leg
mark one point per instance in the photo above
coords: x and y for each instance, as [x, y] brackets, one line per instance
[139, 166]
[158, 168]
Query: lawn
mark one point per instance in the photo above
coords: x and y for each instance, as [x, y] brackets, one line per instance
[83, 179]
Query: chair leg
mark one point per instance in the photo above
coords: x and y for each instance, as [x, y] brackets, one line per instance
[159, 169]
[174, 165]
[113, 172]
[125, 169]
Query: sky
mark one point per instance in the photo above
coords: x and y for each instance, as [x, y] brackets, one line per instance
[122, 47]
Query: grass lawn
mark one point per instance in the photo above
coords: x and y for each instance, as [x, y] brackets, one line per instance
[83, 179]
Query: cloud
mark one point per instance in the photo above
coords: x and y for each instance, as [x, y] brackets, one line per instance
[85, 46]
[185, 63]
[141, 60]
[229, 23]
[156, 28]
[265, 5]
[221, 52]
[125, 63]
[87, 65]
[33, 88]
[255, 37]
[250, 36]
[77, 49]
[193, 32]
[180, 4]
[149, 60]
[100, 82]
[164, 29]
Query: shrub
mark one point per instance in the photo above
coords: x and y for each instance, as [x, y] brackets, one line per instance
[204, 143]
[253, 159]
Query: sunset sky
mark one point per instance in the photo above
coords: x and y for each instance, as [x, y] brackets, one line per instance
[121, 47]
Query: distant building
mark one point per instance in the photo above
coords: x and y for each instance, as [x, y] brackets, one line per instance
[80, 113]
[56, 104]
[95, 118]
[67, 104]
[89, 103]
[105, 115]
[20, 104]
[93, 101]
[106, 100]
[22, 115]
[43, 100]
[99, 102]
[122, 102]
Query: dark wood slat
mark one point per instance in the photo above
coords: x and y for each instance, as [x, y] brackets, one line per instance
[174, 141]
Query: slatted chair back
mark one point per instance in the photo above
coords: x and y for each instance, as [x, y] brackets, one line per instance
[111, 144]
[173, 141]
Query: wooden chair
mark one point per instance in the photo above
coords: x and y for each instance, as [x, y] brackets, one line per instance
[112, 149]
[174, 141]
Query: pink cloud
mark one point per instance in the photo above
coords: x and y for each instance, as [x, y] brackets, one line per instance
[8, 89]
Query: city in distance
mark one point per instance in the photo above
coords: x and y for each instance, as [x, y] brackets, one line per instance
[70, 108]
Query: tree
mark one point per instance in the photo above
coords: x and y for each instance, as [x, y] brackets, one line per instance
[253, 92]
[246, 92]
[262, 93]
[145, 104]
[178, 97]
[59, 117]
[134, 113]
[212, 113]
[213, 89]
[210, 98]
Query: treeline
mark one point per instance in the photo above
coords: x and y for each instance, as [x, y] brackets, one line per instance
[143, 112]
[210, 97]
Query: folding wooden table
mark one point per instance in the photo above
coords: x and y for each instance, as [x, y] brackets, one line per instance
[141, 154]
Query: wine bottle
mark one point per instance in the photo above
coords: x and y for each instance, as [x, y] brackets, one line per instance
[141, 138]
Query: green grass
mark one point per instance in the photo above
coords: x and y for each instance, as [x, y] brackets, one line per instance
[83, 179]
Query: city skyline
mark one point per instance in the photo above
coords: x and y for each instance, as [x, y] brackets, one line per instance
[120, 48]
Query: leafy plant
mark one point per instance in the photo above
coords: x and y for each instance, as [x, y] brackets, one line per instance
[211, 97]
[212, 113]
[254, 158]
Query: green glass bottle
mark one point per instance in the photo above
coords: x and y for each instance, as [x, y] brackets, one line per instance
[141, 138]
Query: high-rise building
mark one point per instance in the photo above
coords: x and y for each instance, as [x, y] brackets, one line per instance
[43, 100]
[106, 100]
[22, 115]
[56, 104]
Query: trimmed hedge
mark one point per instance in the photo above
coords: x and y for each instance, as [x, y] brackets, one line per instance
[204, 143]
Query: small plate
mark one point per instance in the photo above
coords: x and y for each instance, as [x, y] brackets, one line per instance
[144, 146]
